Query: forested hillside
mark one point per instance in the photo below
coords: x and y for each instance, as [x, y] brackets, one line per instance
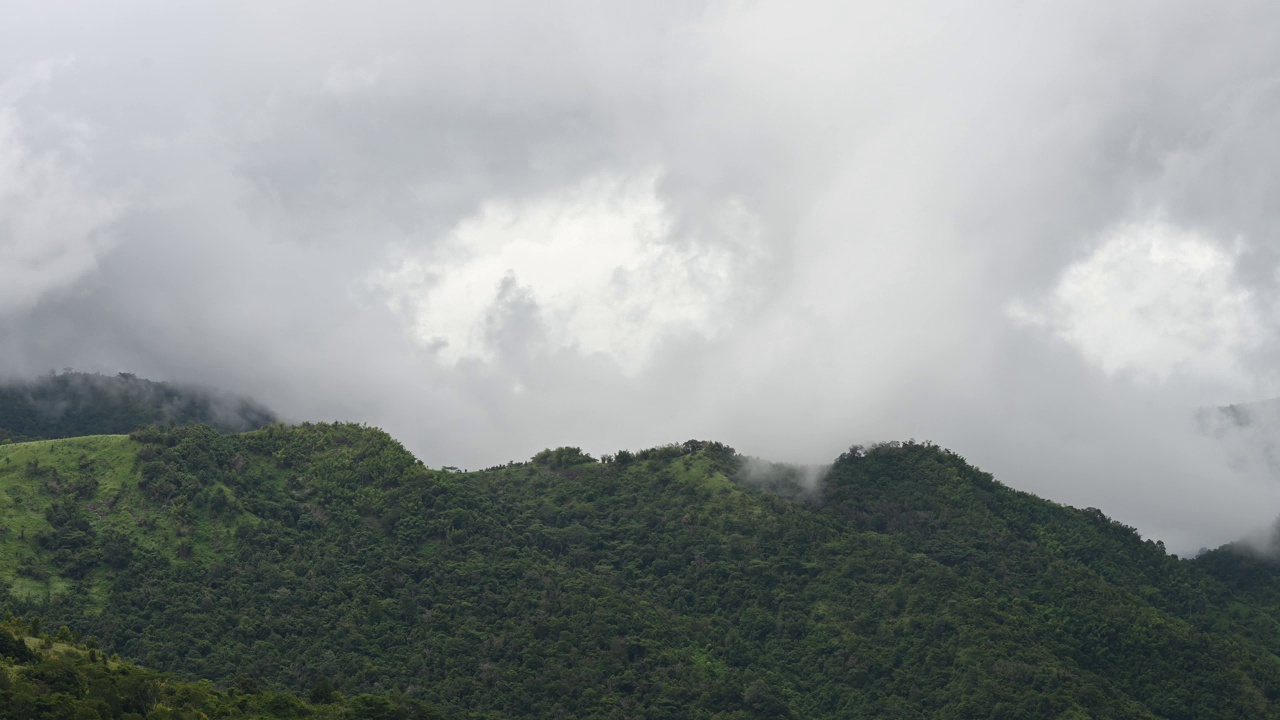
[72, 404]
[663, 583]
[56, 676]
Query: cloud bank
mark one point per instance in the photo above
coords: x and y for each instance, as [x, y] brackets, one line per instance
[1039, 235]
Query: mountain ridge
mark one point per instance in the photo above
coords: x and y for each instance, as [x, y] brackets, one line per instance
[74, 404]
[662, 582]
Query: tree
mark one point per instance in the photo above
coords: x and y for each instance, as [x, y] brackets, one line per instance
[322, 693]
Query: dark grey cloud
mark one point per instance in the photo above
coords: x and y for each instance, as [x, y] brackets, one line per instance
[495, 227]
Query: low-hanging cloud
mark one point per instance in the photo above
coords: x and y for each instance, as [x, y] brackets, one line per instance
[798, 482]
[495, 227]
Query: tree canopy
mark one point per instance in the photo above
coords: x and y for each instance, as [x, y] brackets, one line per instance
[670, 582]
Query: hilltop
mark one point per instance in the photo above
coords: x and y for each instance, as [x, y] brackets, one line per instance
[662, 583]
[73, 404]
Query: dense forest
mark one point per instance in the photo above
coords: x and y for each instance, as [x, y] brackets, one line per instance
[71, 404]
[680, 581]
[57, 675]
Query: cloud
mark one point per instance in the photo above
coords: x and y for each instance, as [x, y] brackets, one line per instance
[1154, 300]
[496, 227]
[53, 223]
[596, 262]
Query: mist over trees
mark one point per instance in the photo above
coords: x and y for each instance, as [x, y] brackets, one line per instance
[70, 404]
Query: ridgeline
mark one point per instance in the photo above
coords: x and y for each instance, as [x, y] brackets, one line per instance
[73, 404]
[663, 583]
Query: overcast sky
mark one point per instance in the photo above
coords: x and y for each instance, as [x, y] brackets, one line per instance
[1036, 233]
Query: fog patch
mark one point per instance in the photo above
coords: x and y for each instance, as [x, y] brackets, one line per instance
[790, 480]
[1249, 435]
[90, 402]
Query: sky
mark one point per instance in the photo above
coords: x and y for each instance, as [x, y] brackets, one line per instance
[1040, 234]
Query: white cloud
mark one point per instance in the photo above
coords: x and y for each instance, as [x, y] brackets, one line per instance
[596, 262]
[1153, 301]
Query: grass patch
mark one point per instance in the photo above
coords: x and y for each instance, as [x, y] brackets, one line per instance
[28, 488]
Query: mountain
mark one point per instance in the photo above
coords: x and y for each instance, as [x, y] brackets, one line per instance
[74, 404]
[680, 581]
[45, 675]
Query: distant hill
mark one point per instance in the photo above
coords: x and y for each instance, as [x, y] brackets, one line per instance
[1249, 433]
[74, 404]
[1261, 412]
[675, 582]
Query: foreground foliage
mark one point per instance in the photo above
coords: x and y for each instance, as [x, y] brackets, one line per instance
[674, 582]
[57, 678]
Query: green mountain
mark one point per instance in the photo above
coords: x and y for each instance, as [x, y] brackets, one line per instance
[681, 581]
[54, 676]
[75, 404]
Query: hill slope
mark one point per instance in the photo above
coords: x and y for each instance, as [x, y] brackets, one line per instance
[54, 677]
[657, 584]
[73, 404]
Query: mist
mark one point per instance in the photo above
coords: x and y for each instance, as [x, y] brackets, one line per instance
[1041, 236]
[74, 403]
[797, 482]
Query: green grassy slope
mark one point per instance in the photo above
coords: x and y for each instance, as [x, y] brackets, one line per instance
[95, 480]
[657, 584]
